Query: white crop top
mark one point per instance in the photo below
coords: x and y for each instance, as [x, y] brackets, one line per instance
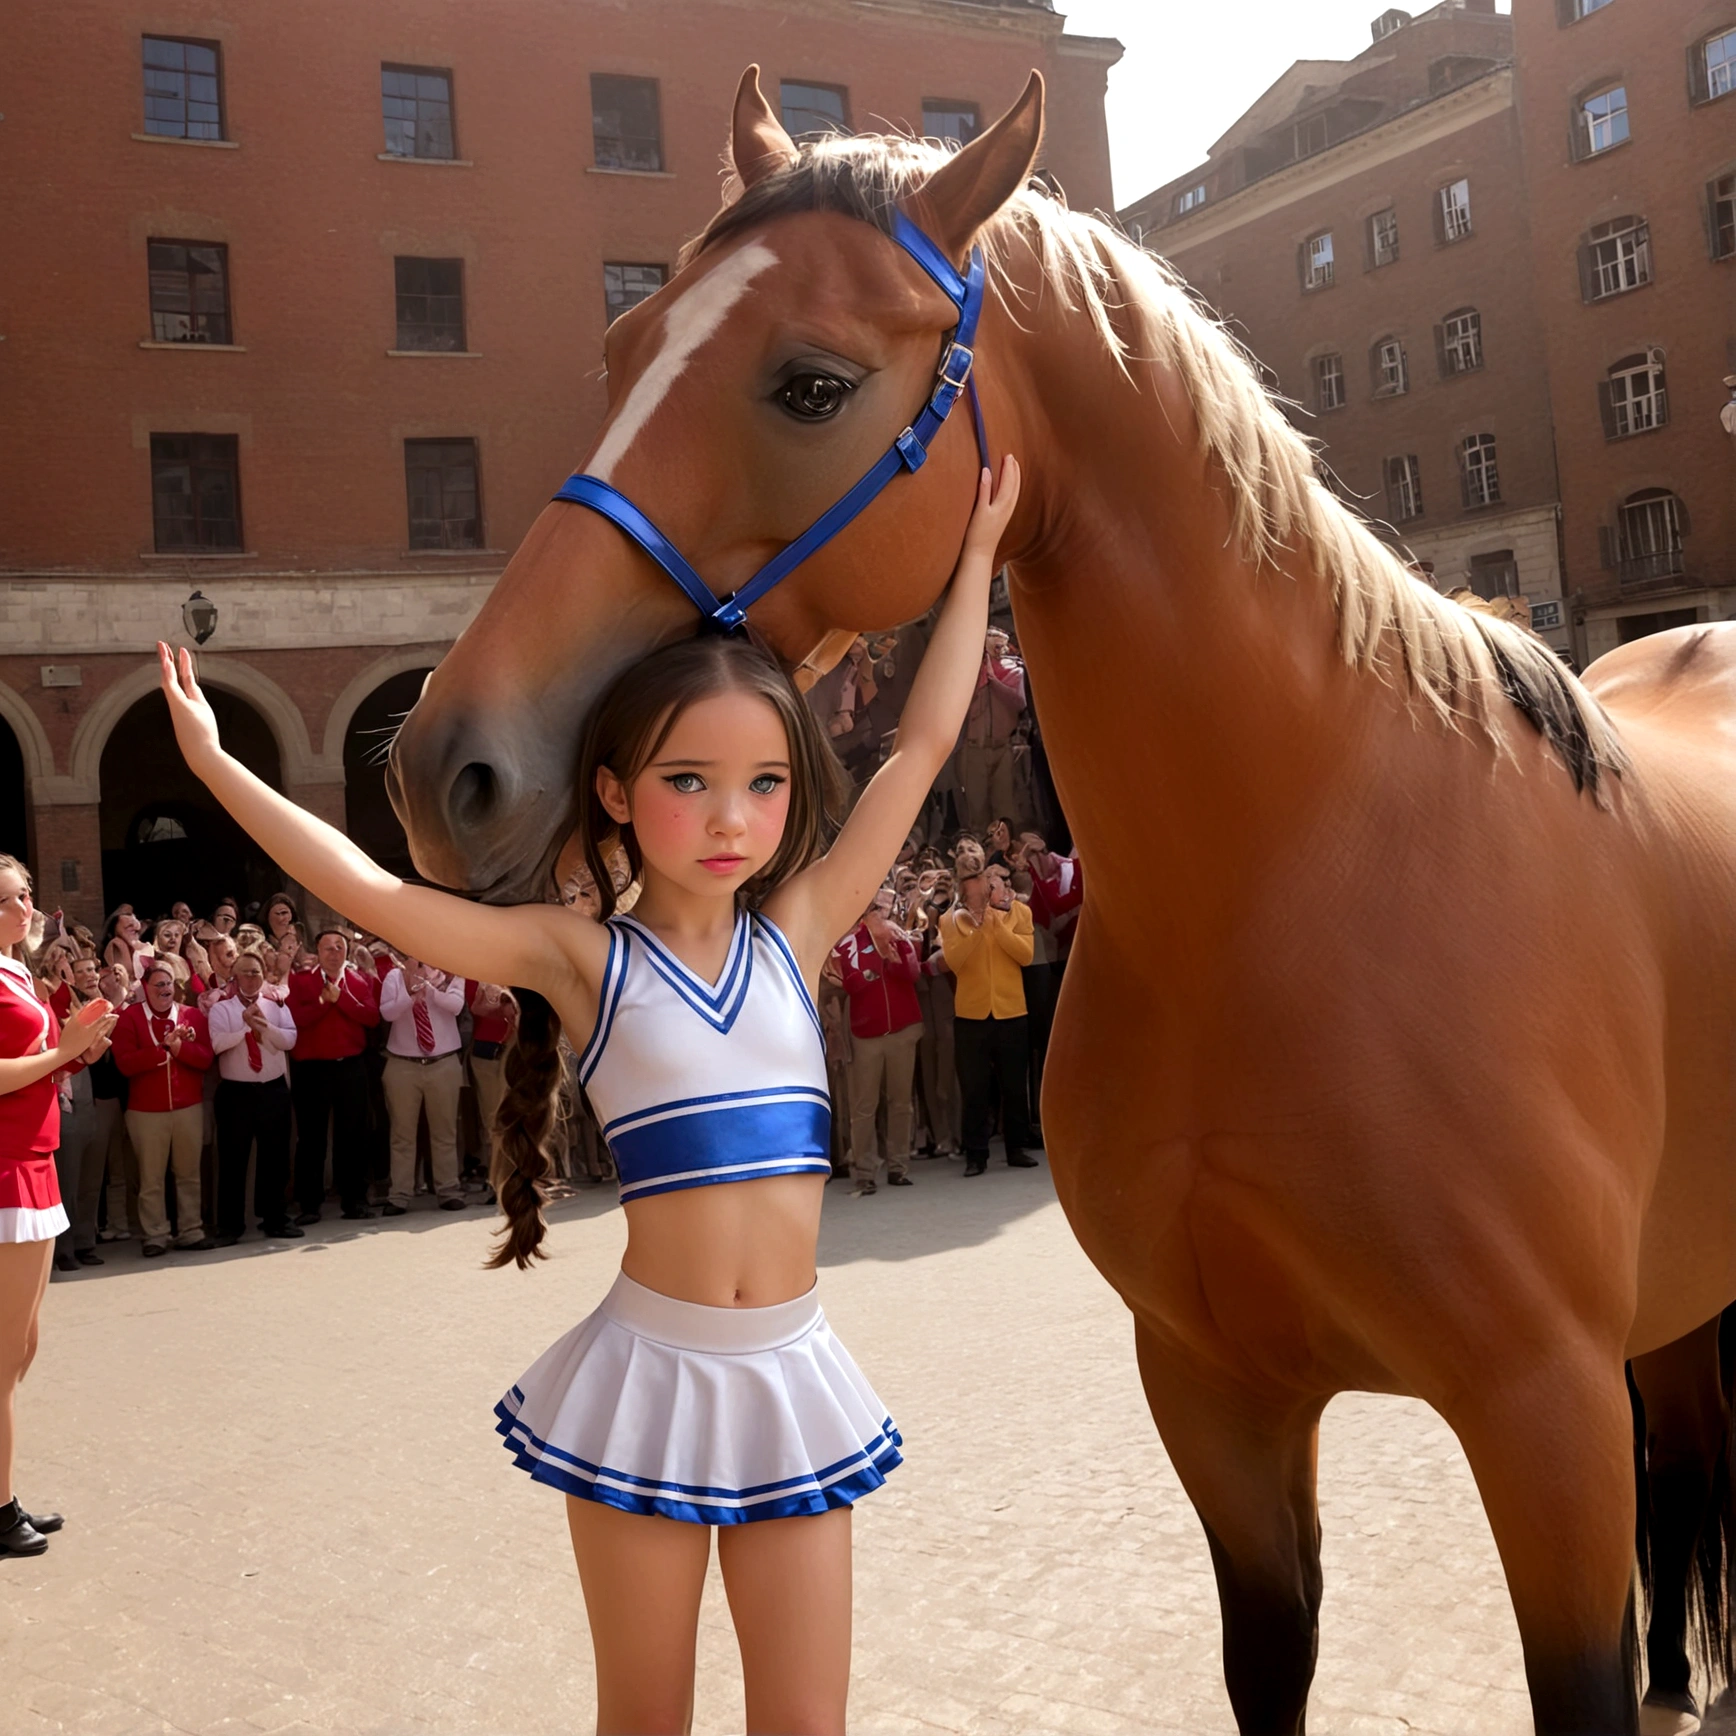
[697, 1083]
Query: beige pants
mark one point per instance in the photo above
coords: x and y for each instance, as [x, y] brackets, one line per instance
[939, 1071]
[882, 1064]
[163, 1138]
[490, 1085]
[413, 1087]
[986, 786]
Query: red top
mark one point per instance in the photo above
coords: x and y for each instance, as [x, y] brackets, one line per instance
[61, 1000]
[159, 1081]
[1054, 903]
[493, 1027]
[332, 1030]
[29, 1118]
[881, 987]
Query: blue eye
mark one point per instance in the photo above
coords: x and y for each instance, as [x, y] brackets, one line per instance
[766, 784]
[686, 783]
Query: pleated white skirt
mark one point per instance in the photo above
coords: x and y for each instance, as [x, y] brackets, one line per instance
[715, 1416]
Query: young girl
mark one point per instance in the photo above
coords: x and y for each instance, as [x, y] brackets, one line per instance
[707, 1389]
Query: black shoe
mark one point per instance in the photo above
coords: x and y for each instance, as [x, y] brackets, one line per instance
[308, 1218]
[281, 1232]
[46, 1523]
[65, 1262]
[88, 1257]
[976, 1163]
[899, 1181]
[21, 1537]
[1021, 1160]
[452, 1205]
[388, 1210]
[357, 1212]
[225, 1241]
[154, 1249]
[204, 1245]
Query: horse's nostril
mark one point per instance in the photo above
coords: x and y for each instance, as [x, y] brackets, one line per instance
[473, 796]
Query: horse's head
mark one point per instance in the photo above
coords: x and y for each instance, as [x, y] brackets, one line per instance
[745, 398]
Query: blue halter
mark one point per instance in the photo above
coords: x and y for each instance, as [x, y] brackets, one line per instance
[908, 452]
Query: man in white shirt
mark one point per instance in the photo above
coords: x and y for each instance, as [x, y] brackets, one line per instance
[423, 1073]
[251, 1035]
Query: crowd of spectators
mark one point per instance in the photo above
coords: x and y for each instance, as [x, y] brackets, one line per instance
[323, 1063]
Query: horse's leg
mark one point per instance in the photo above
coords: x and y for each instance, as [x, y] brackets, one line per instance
[1551, 1448]
[1686, 1420]
[1247, 1462]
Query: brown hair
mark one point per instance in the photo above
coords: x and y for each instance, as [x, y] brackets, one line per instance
[23, 874]
[628, 726]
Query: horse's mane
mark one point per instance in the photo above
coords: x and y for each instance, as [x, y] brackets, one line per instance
[1453, 660]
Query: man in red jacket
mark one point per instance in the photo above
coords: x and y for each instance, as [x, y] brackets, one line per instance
[163, 1051]
[879, 965]
[334, 1007]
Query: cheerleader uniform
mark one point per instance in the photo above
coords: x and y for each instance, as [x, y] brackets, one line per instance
[716, 1416]
[30, 1205]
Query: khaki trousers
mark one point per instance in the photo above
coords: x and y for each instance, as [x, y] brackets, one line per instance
[412, 1087]
[164, 1139]
[987, 788]
[882, 1063]
[939, 1073]
[490, 1083]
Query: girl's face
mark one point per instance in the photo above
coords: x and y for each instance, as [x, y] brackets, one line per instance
[168, 937]
[16, 908]
[709, 809]
[128, 926]
[85, 977]
[279, 916]
[181, 911]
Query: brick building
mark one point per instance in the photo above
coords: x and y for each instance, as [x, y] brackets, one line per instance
[1628, 114]
[312, 328]
[1425, 248]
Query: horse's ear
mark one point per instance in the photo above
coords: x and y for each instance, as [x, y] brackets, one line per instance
[963, 196]
[758, 144]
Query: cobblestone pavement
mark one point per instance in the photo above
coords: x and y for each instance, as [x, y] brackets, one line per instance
[287, 1510]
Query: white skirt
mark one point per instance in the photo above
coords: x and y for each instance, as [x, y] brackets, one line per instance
[711, 1415]
[32, 1223]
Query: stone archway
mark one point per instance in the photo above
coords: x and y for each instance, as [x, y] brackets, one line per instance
[368, 815]
[164, 836]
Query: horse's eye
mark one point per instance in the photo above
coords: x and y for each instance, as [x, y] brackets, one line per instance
[814, 397]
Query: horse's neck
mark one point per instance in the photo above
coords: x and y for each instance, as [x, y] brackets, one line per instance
[1194, 709]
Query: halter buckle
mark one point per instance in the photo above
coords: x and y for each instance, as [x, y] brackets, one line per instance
[952, 372]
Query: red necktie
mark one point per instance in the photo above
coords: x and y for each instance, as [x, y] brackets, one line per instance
[424, 1026]
[255, 1059]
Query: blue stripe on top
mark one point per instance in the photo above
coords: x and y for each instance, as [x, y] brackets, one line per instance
[773, 1131]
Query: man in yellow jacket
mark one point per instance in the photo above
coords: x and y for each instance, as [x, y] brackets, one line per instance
[987, 940]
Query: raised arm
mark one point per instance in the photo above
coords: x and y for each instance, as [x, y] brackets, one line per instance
[822, 902]
[542, 947]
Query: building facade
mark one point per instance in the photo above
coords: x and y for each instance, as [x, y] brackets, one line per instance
[1423, 245]
[314, 331]
[1628, 115]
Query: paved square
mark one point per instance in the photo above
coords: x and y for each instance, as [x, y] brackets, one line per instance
[287, 1509]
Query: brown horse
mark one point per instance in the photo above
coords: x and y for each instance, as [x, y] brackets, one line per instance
[1398, 1046]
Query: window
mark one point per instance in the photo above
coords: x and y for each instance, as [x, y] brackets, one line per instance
[1391, 370]
[195, 491]
[1317, 261]
[1649, 527]
[1617, 257]
[943, 118]
[1477, 473]
[1383, 238]
[1571, 11]
[189, 292]
[1329, 382]
[441, 479]
[625, 286]
[1188, 201]
[416, 102]
[1495, 575]
[1459, 341]
[1454, 211]
[1310, 135]
[1632, 399]
[1404, 488]
[1602, 122]
[430, 304]
[1721, 216]
[183, 89]
[626, 122]
[1712, 67]
[811, 111]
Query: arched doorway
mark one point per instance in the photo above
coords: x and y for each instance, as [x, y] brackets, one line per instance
[163, 834]
[14, 799]
[368, 815]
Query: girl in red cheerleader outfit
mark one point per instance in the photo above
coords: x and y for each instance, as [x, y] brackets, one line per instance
[33, 1048]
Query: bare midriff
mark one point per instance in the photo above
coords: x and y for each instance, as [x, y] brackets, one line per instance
[738, 1244]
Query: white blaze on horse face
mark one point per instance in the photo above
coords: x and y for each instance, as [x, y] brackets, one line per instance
[692, 318]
